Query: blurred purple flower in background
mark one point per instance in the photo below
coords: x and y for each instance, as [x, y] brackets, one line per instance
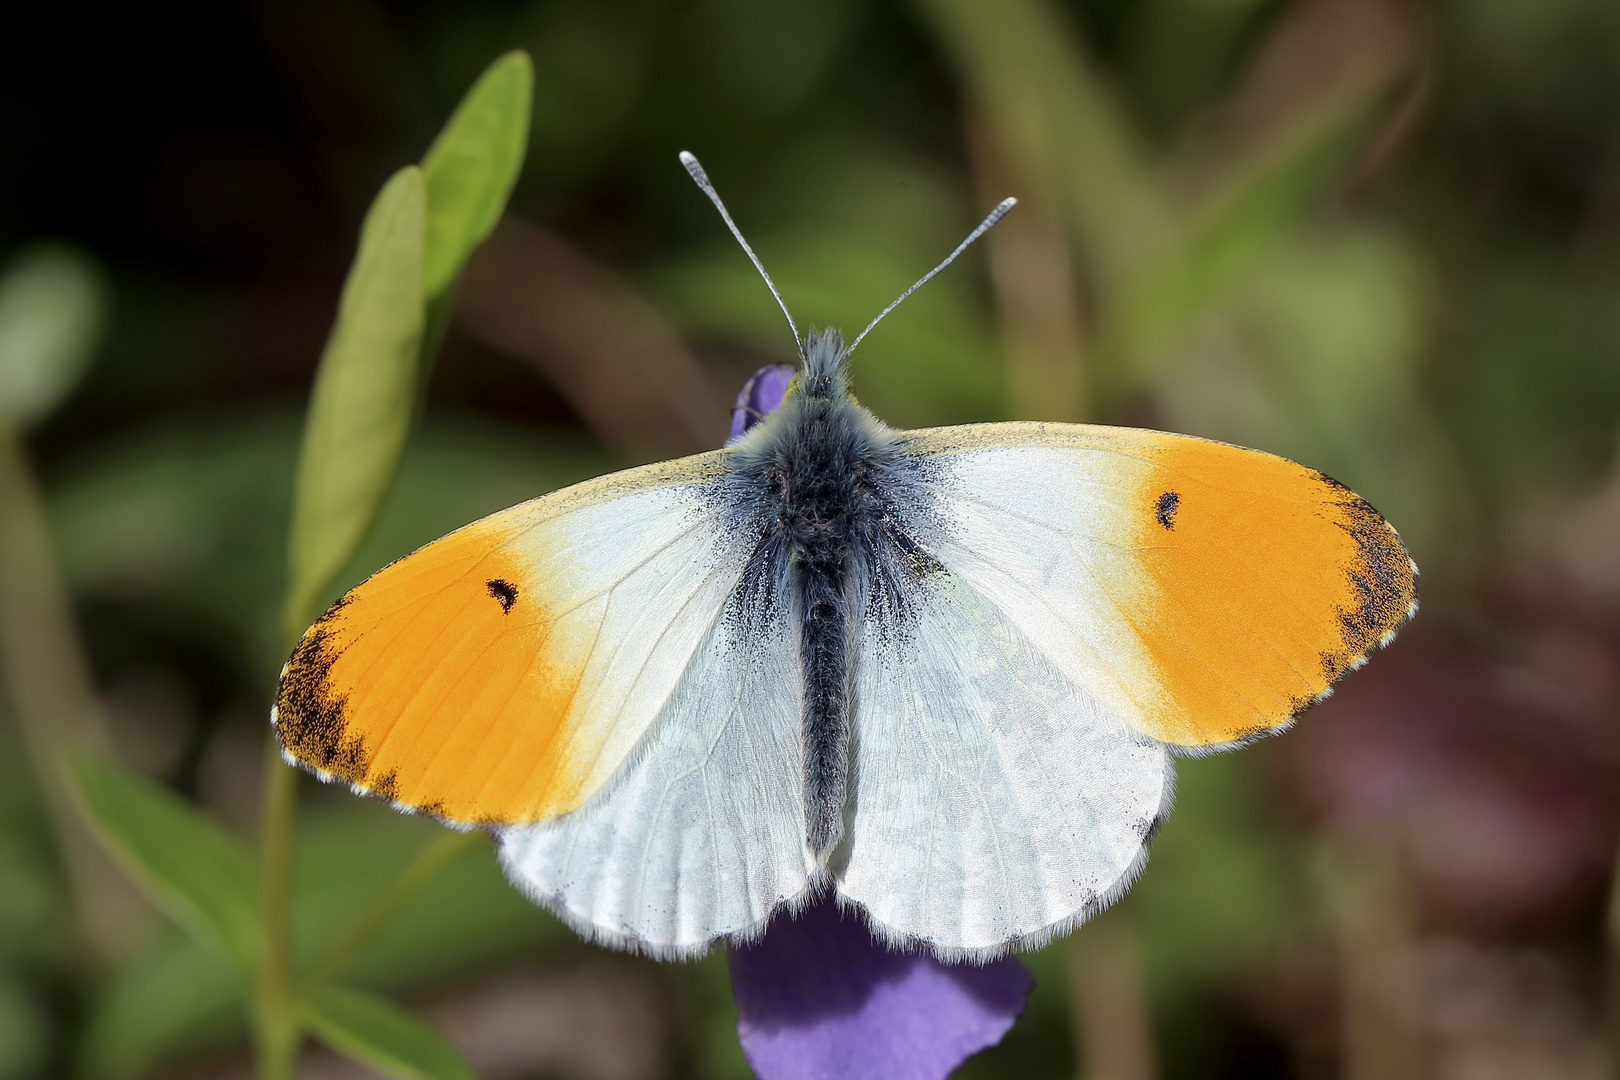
[818, 998]
[1489, 765]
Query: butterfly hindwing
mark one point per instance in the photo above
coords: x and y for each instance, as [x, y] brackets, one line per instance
[993, 801]
[701, 835]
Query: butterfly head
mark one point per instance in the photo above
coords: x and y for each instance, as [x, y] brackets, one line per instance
[824, 372]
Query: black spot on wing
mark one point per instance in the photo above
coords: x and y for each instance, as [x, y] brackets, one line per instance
[503, 591]
[1165, 512]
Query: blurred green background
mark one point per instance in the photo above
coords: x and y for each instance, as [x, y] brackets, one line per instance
[1379, 237]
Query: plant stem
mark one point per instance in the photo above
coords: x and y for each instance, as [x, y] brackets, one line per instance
[1112, 1021]
[1369, 898]
[276, 1031]
[428, 862]
[1042, 335]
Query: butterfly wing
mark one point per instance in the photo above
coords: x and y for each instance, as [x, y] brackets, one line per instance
[597, 675]
[994, 801]
[702, 834]
[1079, 601]
[503, 673]
[1202, 592]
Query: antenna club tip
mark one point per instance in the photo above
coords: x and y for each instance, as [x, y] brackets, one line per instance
[1009, 202]
[690, 161]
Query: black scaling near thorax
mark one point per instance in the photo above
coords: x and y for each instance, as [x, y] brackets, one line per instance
[817, 467]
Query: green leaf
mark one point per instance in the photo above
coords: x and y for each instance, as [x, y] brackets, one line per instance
[53, 304]
[365, 394]
[471, 167]
[376, 1032]
[189, 868]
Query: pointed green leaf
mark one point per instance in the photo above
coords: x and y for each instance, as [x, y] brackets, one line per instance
[184, 863]
[472, 165]
[365, 394]
[376, 1032]
[53, 303]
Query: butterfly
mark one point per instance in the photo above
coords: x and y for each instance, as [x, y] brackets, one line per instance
[942, 673]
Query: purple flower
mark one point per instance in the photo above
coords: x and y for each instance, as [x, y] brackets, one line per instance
[760, 394]
[818, 998]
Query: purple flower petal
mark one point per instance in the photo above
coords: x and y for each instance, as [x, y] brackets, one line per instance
[819, 999]
[761, 394]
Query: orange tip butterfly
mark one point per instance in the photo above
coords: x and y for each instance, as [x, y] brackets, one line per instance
[941, 673]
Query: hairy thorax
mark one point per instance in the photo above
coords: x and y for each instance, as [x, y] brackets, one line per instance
[818, 467]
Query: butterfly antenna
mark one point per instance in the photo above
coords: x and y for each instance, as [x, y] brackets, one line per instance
[984, 226]
[702, 180]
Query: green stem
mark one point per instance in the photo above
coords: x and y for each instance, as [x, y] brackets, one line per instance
[1110, 1014]
[1368, 893]
[428, 862]
[276, 1030]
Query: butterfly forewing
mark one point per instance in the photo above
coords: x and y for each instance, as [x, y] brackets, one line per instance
[1201, 592]
[502, 673]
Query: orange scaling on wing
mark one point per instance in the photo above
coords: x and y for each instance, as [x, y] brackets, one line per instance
[1267, 581]
[438, 683]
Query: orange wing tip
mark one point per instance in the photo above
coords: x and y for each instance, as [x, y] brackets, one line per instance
[1359, 662]
[306, 739]
[308, 714]
[1353, 580]
[1383, 575]
[1385, 639]
[365, 791]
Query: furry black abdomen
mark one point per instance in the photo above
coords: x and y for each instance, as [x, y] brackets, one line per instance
[815, 472]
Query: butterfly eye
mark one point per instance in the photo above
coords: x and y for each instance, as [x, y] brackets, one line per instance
[1166, 511]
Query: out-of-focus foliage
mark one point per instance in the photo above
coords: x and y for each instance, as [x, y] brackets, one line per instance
[1382, 240]
[52, 303]
[470, 169]
[364, 394]
[176, 994]
[197, 875]
[35, 919]
[374, 1031]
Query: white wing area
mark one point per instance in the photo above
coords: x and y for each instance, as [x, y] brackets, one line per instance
[701, 833]
[994, 802]
[638, 583]
[1046, 530]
